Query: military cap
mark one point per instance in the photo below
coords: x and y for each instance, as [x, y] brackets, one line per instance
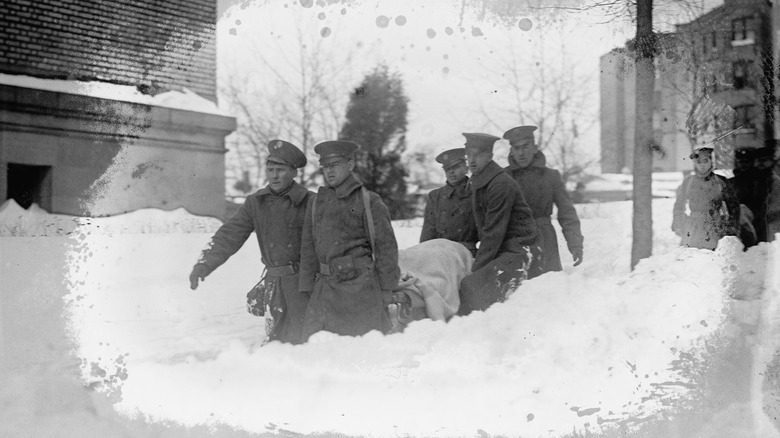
[330, 150]
[699, 149]
[519, 133]
[451, 157]
[705, 143]
[282, 152]
[477, 140]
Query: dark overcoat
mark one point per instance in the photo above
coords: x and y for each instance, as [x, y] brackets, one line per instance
[336, 264]
[706, 209]
[759, 190]
[449, 215]
[507, 235]
[542, 188]
[503, 217]
[277, 222]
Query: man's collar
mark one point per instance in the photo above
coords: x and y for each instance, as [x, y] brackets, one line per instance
[348, 186]
[539, 161]
[296, 193]
[481, 179]
[449, 189]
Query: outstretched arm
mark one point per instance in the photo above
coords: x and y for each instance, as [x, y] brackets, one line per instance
[429, 220]
[309, 264]
[386, 251]
[567, 218]
[226, 241]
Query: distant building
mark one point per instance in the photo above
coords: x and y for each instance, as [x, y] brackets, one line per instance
[88, 83]
[722, 58]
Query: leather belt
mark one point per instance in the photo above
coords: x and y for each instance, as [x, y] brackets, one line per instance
[282, 271]
[333, 268]
[543, 220]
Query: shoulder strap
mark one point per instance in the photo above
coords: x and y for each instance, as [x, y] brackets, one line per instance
[313, 207]
[263, 251]
[369, 219]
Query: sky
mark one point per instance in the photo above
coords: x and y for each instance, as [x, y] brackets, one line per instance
[450, 57]
[584, 349]
[448, 60]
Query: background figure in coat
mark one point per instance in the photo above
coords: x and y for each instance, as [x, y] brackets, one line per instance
[347, 283]
[706, 208]
[758, 191]
[448, 212]
[276, 214]
[508, 250]
[542, 188]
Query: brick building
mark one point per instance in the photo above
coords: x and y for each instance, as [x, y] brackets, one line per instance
[723, 57]
[107, 106]
[618, 111]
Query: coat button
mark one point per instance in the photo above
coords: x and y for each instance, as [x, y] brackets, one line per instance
[272, 245]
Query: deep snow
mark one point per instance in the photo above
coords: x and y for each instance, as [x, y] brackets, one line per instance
[587, 349]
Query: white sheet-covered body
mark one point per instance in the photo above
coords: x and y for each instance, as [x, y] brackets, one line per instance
[432, 271]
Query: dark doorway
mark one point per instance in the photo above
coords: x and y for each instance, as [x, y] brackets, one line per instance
[29, 184]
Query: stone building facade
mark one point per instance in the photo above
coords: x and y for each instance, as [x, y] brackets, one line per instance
[108, 106]
[721, 59]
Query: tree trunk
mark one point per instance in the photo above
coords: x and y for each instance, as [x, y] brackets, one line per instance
[642, 244]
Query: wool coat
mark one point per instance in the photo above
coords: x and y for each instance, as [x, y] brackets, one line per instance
[543, 188]
[277, 221]
[503, 217]
[508, 239]
[449, 215]
[759, 191]
[336, 261]
[705, 210]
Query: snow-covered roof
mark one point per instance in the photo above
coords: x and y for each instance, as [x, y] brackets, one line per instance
[182, 99]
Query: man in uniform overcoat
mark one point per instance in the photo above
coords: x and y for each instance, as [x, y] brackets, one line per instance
[507, 230]
[276, 214]
[448, 212]
[346, 274]
[542, 188]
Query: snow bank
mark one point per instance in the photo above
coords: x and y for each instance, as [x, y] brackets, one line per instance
[565, 352]
[35, 221]
[586, 349]
[665, 184]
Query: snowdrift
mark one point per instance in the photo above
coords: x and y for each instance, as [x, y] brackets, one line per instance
[593, 349]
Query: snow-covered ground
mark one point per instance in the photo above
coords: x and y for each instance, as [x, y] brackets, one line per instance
[594, 349]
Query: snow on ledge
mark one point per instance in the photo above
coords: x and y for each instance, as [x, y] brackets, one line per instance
[183, 99]
[15, 221]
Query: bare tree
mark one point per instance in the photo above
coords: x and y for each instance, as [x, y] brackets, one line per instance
[550, 93]
[294, 90]
[642, 241]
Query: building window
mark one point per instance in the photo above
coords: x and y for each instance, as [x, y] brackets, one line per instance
[714, 40]
[710, 84]
[745, 117]
[705, 44]
[741, 32]
[29, 184]
[740, 71]
[739, 29]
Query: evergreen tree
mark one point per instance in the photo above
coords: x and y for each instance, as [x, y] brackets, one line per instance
[376, 120]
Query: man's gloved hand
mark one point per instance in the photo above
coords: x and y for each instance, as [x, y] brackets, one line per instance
[577, 256]
[199, 272]
[307, 293]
